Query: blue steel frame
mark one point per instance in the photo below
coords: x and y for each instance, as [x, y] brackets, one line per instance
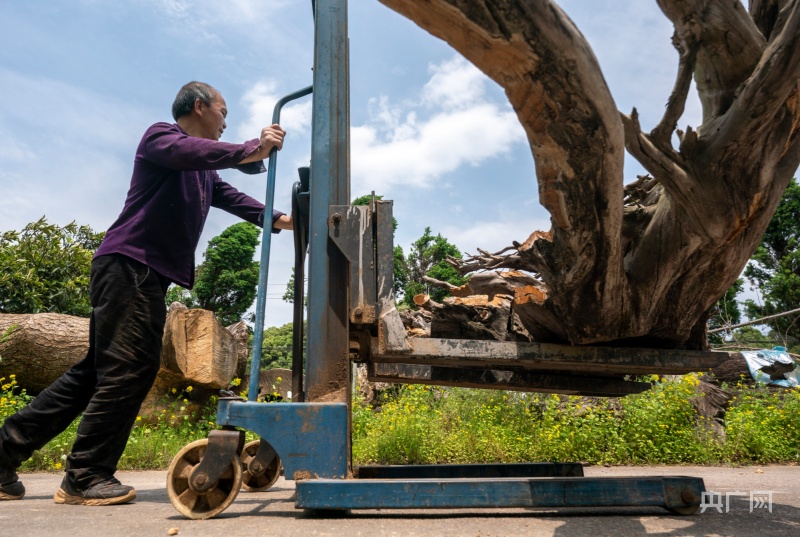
[313, 439]
[266, 243]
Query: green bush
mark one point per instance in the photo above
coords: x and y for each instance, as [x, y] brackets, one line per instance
[424, 425]
[417, 424]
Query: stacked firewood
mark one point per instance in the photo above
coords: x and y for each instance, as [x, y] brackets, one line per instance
[503, 300]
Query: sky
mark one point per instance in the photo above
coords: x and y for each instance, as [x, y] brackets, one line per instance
[82, 81]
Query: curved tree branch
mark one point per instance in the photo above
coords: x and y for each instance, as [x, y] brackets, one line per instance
[554, 82]
[765, 14]
[729, 47]
[773, 81]
[676, 103]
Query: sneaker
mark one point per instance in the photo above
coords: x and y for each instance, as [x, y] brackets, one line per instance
[12, 490]
[107, 492]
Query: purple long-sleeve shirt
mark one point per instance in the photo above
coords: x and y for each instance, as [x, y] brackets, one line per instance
[173, 186]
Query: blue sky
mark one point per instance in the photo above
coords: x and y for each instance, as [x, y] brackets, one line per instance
[83, 79]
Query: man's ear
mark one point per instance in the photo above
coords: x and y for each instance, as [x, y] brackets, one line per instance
[198, 106]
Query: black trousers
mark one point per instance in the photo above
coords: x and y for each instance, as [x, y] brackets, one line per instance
[108, 385]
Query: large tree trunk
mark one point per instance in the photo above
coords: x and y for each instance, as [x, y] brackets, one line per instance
[640, 265]
[39, 348]
[198, 351]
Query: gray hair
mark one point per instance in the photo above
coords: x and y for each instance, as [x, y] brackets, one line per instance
[188, 94]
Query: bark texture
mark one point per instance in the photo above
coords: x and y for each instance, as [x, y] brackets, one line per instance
[39, 348]
[638, 265]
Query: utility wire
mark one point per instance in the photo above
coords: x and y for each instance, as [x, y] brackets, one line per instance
[757, 321]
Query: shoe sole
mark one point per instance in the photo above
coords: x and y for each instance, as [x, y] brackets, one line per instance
[5, 496]
[62, 497]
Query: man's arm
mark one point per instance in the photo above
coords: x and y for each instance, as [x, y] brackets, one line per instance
[284, 221]
[230, 200]
[169, 146]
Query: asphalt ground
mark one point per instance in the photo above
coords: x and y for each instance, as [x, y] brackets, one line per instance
[272, 513]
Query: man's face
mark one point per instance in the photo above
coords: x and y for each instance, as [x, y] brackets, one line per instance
[213, 118]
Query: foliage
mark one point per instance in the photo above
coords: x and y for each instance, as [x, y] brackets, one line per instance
[176, 293]
[225, 282]
[288, 294]
[400, 272]
[424, 424]
[276, 347]
[775, 267]
[46, 268]
[762, 425]
[428, 258]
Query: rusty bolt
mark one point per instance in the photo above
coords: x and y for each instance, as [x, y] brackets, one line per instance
[201, 479]
[357, 312]
[336, 218]
[687, 496]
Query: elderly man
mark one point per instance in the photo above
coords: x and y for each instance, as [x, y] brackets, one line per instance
[149, 246]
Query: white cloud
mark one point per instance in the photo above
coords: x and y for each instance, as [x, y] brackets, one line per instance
[493, 235]
[259, 101]
[453, 124]
[455, 84]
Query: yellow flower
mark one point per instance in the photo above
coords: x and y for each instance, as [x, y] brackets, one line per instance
[188, 389]
[138, 418]
[174, 390]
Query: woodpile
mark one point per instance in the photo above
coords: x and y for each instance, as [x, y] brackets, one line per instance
[503, 304]
[197, 351]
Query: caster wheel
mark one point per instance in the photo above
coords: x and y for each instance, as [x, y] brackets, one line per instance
[201, 505]
[258, 483]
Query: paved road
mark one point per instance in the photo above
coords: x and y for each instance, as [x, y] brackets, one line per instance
[272, 512]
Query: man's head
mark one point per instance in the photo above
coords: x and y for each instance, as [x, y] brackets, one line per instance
[200, 110]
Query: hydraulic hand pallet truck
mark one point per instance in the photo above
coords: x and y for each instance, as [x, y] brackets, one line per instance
[352, 317]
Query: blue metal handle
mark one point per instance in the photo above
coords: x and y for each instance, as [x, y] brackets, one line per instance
[266, 242]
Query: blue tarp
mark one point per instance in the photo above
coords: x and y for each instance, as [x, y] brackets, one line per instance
[757, 360]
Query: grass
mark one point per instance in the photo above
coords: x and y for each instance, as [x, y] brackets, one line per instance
[425, 425]
[428, 425]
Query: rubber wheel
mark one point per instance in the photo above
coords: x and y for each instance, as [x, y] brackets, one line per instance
[261, 482]
[207, 504]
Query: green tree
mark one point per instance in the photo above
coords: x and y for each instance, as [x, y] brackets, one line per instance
[288, 294]
[428, 257]
[225, 282]
[45, 268]
[276, 347]
[775, 267]
[176, 293]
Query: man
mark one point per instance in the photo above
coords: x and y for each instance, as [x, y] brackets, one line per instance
[151, 244]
